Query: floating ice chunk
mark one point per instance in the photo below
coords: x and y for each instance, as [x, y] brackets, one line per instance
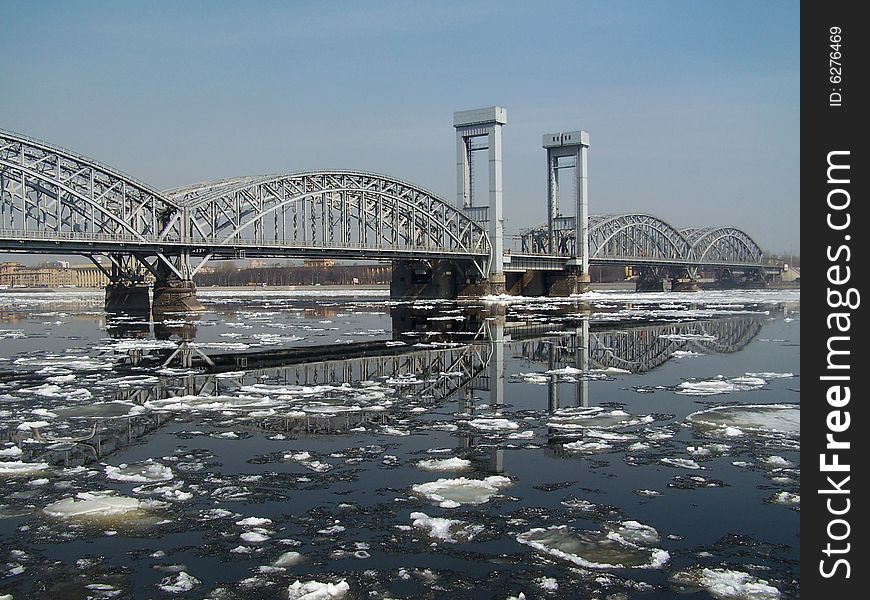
[451, 493]
[444, 464]
[581, 446]
[288, 559]
[17, 468]
[753, 418]
[776, 462]
[179, 583]
[719, 385]
[592, 549]
[636, 533]
[548, 584]
[254, 537]
[725, 584]
[492, 424]
[594, 417]
[447, 530]
[29, 425]
[786, 498]
[770, 375]
[97, 505]
[683, 463]
[10, 452]
[316, 590]
[254, 522]
[143, 472]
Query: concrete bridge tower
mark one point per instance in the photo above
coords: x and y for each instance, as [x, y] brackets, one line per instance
[471, 125]
[568, 150]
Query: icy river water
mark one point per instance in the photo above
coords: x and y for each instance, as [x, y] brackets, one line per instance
[335, 444]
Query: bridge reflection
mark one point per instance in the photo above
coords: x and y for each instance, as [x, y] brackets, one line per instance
[449, 360]
[428, 362]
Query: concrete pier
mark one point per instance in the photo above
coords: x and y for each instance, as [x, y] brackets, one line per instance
[131, 298]
[176, 295]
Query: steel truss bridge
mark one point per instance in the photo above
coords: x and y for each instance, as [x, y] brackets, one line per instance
[644, 241]
[55, 201]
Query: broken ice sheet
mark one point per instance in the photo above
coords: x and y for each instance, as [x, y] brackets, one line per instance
[445, 530]
[452, 493]
[594, 549]
[760, 419]
[725, 584]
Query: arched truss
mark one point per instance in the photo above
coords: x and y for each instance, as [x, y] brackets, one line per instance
[330, 211]
[642, 349]
[48, 193]
[722, 245]
[635, 236]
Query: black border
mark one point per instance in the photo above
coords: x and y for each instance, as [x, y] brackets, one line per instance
[826, 128]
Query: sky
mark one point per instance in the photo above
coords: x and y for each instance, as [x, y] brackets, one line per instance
[692, 107]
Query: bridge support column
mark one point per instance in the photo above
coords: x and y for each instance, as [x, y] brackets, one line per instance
[684, 280]
[174, 290]
[127, 292]
[650, 279]
[128, 297]
[471, 125]
[426, 279]
[567, 283]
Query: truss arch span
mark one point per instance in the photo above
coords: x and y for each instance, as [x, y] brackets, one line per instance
[635, 236]
[711, 245]
[47, 192]
[370, 214]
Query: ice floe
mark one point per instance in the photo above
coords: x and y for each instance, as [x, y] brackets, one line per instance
[452, 493]
[446, 530]
[593, 549]
[143, 472]
[749, 418]
[98, 505]
[720, 385]
[317, 590]
[727, 584]
[444, 464]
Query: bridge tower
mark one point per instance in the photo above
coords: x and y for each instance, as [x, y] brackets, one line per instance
[568, 150]
[471, 125]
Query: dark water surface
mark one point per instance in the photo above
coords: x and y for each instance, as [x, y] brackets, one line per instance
[622, 446]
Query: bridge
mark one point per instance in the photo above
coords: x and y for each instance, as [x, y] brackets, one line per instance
[55, 201]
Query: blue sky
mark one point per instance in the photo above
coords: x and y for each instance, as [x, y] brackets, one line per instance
[692, 106]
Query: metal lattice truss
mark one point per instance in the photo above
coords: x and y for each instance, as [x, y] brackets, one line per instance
[339, 213]
[647, 240]
[51, 197]
[642, 349]
[722, 244]
[52, 200]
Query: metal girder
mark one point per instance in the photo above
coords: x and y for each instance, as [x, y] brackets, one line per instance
[645, 239]
[722, 244]
[48, 192]
[329, 210]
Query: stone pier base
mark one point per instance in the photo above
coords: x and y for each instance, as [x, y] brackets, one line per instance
[567, 284]
[684, 285]
[175, 295]
[651, 285]
[130, 298]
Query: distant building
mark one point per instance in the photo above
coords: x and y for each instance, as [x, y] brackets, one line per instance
[16, 275]
[318, 262]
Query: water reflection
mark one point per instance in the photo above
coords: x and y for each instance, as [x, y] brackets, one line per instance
[445, 361]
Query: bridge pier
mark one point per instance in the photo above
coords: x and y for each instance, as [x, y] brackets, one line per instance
[681, 284]
[128, 297]
[176, 295]
[567, 283]
[174, 290]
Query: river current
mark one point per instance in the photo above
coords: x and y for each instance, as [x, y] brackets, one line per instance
[336, 444]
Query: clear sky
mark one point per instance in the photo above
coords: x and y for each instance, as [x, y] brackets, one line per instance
[692, 106]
